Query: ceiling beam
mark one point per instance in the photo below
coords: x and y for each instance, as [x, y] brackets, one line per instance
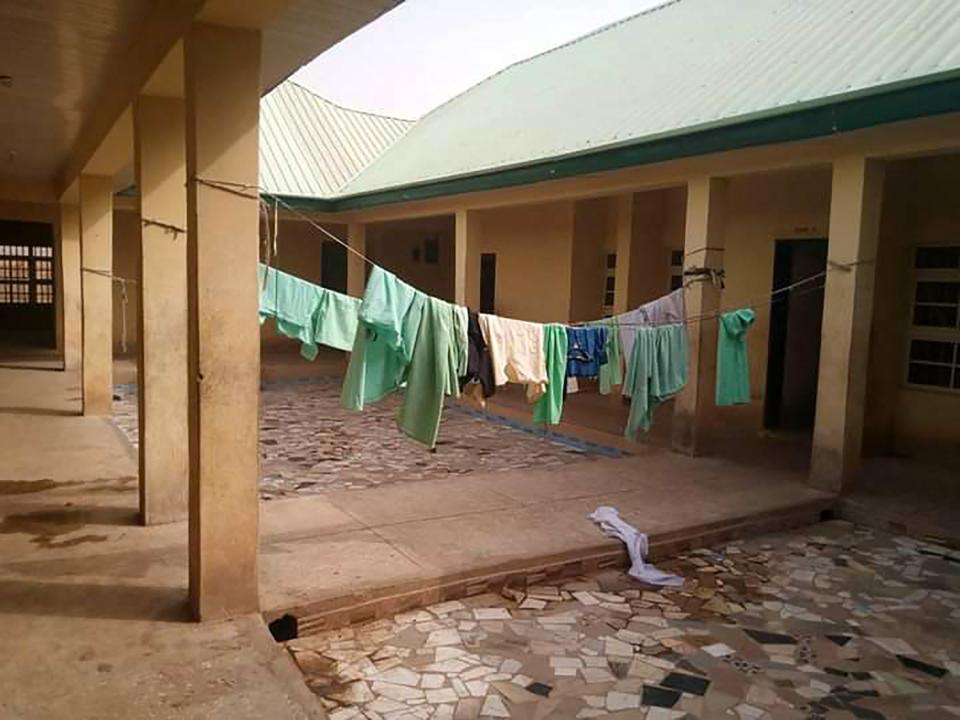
[165, 25]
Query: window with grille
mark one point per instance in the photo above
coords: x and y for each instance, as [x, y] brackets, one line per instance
[934, 347]
[610, 283]
[676, 269]
[26, 275]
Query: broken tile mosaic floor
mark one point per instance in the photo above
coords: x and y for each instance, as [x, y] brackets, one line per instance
[309, 445]
[830, 622]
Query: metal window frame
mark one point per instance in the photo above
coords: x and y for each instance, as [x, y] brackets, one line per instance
[934, 334]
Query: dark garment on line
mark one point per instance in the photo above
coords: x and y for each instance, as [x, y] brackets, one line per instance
[586, 351]
[479, 365]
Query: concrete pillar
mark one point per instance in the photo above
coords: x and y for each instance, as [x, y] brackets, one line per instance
[69, 287]
[96, 249]
[465, 280]
[703, 247]
[855, 206]
[160, 161]
[222, 82]
[622, 223]
[356, 267]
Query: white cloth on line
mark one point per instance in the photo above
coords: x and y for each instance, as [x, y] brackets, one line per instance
[637, 545]
[662, 311]
[516, 352]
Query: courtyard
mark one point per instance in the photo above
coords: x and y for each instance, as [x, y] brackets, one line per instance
[310, 445]
[720, 238]
[830, 621]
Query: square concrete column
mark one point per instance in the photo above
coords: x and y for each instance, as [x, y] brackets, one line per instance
[69, 287]
[855, 205]
[703, 247]
[160, 161]
[622, 222]
[466, 277]
[96, 250]
[222, 81]
[356, 267]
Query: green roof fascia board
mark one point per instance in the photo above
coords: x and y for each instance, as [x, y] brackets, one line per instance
[856, 113]
[300, 202]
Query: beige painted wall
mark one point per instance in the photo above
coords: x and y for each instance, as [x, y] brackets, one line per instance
[659, 217]
[29, 212]
[591, 233]
[533, 244]
[921, 207]
[126, 256]
[394, 244]
[760, 210]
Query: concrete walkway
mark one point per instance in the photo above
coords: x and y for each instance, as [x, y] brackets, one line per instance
[92, 608]
[93, 604]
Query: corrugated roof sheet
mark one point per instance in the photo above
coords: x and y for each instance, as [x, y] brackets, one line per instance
[310, 147]
[684, 66]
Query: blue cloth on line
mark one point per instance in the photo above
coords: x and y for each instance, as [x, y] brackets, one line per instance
[586, 351]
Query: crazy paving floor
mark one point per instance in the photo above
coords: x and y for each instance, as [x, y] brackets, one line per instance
[310, 445]
[833, 621]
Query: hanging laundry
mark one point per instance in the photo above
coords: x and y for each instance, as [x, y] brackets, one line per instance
[463, 330]
[433, 371]
[306, 312]
[637, 544]
[586, 351]
[662, 311]
[657, 371]
[611, 372]
[477, 382]
[549, 407]
[516, 352]
[336, 321]
[733, 367]
[390, 317]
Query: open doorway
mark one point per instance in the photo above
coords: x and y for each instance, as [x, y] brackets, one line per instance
[794, 344]
[27, 301]
[333, 266]
[488, 282]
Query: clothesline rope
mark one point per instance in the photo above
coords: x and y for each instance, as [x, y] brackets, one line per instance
[238, 188]
[124, 298]
[760, 301]
[167, 227]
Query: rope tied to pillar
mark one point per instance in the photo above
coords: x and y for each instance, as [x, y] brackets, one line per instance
[695, 273]
[167, 227]
[236, 188]
[124, 298]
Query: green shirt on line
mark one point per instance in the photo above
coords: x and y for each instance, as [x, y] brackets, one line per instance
[733, 368]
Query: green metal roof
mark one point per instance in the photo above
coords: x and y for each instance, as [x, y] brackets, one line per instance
[310, 147]
[688, 77]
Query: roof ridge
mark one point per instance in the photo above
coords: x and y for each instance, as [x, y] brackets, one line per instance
[596, 31]
[328, 101]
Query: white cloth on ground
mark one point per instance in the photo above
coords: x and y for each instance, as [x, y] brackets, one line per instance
[662, 311]
[516, 352]
[613, 526]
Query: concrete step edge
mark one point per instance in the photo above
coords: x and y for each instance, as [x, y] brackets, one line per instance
[373, 604]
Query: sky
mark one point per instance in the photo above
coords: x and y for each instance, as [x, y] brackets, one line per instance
[423, 52]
